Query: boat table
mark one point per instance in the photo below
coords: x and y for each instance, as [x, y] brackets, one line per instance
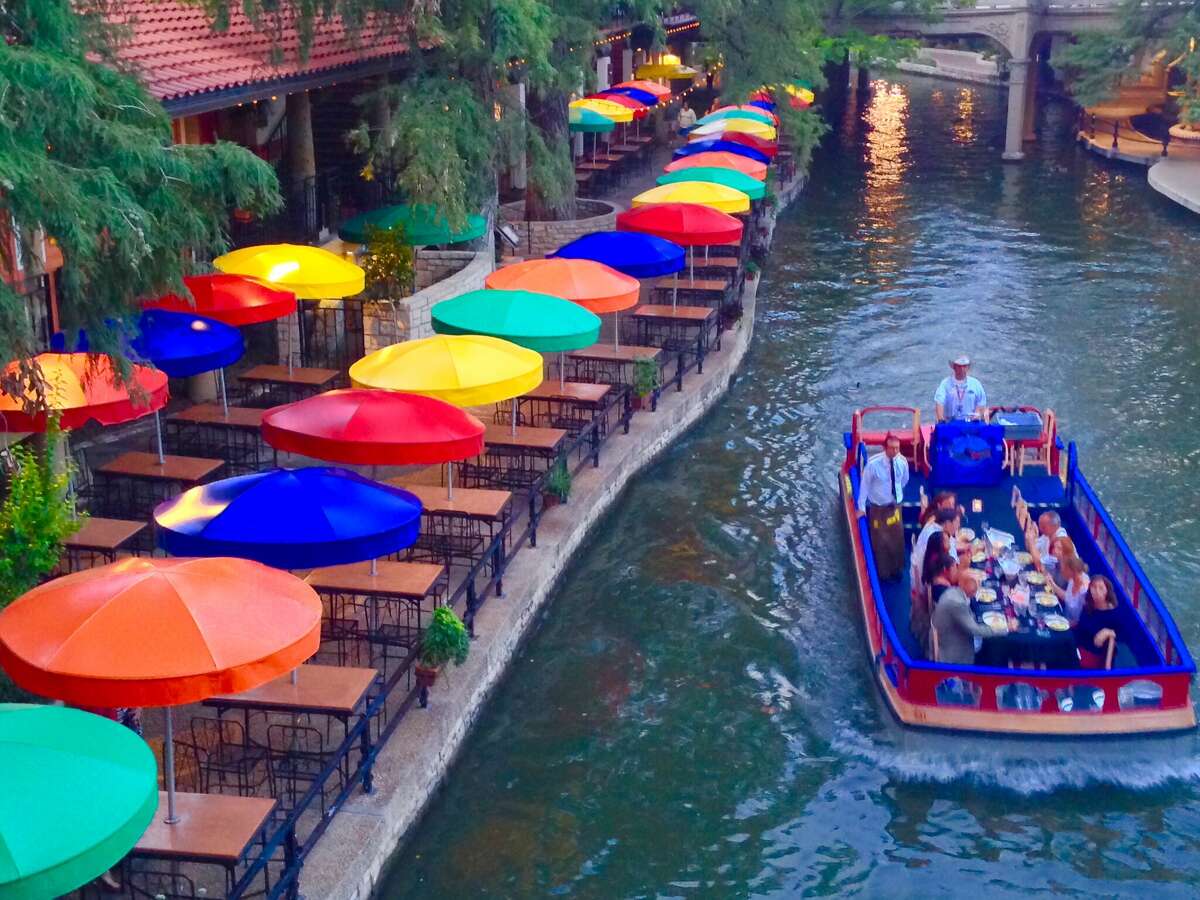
[512, 460]
[459, 527]
[270, 385]
[130, 485]
[606, 364]
[213, 829]
[354, 594]
[680, 329]
[1032, 642]
[206, 429]
[100, 538]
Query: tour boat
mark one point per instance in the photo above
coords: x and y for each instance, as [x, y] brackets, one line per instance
[1001, 470]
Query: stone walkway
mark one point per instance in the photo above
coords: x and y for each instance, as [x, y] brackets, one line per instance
[1178, 179]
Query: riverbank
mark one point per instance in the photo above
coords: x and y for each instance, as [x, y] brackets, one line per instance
[348, 861]
[1178, 180]
[1175, 176]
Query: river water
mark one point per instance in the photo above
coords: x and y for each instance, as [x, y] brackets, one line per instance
[695, 715]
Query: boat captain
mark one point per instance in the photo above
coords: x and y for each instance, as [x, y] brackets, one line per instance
[959, 396]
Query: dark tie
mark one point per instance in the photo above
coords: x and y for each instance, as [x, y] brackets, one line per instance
[892, 469]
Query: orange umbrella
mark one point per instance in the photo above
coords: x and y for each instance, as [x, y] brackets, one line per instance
[83, 388]
[721, 160]
[592, 285]
[159, 632]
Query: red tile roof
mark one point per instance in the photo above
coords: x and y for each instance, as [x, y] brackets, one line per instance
[178, 54]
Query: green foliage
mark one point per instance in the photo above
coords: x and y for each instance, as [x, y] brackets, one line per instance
[388, 264]
[445, 640]
[35, 518]
[645, 377]
[558, 480]
[86, 154]
[752, 269]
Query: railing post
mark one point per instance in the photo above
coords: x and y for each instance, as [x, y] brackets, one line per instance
[472, 604]
[498, 565]
[368, 777]
[1166, 140]
[291, 863]
[1116, 131]
[533, 517]
[1092, 126]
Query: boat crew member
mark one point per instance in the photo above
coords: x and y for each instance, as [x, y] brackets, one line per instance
[879, 496]
[959, 396]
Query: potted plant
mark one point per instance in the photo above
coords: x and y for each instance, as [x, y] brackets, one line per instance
[445, 641]
[645, 381]
[752, 270]
[558, 484]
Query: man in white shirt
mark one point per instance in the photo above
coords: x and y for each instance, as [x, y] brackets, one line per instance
[959, 396]
[1049, 528]
[946, 521]
[879, 495]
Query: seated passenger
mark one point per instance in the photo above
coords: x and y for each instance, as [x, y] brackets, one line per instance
[1049, 527]
[941, 500]
[941, 570]
[1074, 591]
[1100, 624]
[956, 625]
[1062, 548]
[946, 521]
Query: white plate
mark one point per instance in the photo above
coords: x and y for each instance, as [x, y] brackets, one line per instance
[1057, 623]
[1045, 598]
[985, 595]
[994, 619]
[1035, 578]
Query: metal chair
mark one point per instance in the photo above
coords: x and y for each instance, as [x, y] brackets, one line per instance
[227, 760]
[297, 759]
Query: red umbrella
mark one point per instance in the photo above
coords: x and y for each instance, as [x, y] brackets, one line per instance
[762, 145]
[231, 299]
[687, 224]
[374, 427]
[84, 388]
[638, 108]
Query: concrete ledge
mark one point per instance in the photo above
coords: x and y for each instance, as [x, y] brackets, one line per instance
[948, 72]
[1178, 180]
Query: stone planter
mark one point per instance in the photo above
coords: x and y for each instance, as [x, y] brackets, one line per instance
[541, 238]
[1186, 134]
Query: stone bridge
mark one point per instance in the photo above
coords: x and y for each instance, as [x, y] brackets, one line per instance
[1025, 30]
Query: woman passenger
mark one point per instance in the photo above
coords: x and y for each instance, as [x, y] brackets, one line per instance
[1100, 622]
[1075, 590]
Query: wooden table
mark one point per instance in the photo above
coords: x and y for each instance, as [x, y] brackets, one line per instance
[483, 504]
[148, 481]
[717, 285]
[512, 460]
[461, 528]
[592, 167]
[640, 138]
[215, 829]
[293, 385]
[393, 580]
[717, 262]
[673, 326]
[544, 441]
[559, 405]
[606, 364]
[101, 537]
[205, 428]
[326, 690]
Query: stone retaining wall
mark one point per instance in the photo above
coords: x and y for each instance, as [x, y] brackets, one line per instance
[540, 238]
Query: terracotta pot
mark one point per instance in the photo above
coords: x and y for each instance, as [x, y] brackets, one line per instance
[243, 215]
[637, 403]
[549, 500]
[426, 675]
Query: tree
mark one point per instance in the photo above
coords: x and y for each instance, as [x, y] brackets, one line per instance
[86, 157]
[1096, 63]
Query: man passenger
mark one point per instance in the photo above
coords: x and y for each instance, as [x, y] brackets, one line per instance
[880, 493]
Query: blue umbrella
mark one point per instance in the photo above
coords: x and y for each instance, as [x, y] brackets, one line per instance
[291, 518]
[640, 96]
[764, 104]
[721, 146]
[629, 252]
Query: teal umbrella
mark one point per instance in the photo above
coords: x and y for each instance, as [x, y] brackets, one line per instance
[589, 121]
[76, 792]
[739, 181]
[537, 321]
[423, 225]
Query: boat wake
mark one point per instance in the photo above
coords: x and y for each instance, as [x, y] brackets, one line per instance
[1028, 767]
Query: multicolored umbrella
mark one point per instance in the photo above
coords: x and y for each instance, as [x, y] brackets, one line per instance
[630, 253]
[606, 108]
[586, 121]
[751, 187]
[231, 299]
[643, 97]
[374, 428]
[308, 272]
[290, 518]
[703, 193]
[538, 322]
[463, 369]
[745, 126]
[76, 792]
[421, 225]
[734, 161]
[649, 87]
[636, 107]
[738, 112]
[711, 146]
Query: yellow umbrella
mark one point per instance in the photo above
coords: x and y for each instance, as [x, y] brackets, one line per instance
[745, 126]
[607, 108]
[702, 193]
[308, 272]
[668, 66]
[463, 369]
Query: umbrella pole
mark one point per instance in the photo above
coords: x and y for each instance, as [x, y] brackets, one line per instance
[158, 437]
[224, 396]
[374, 566]
[295, 677]
[450, 480]
[675, 293]
[169, 765]
[617, 330]
[514, 417]
[289, 337]
[691, 263]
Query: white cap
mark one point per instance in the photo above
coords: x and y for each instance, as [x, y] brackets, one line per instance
[961, 360]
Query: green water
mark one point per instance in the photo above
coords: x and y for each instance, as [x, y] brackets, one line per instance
[695, 716]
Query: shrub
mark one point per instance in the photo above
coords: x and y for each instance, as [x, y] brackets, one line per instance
[445, 641]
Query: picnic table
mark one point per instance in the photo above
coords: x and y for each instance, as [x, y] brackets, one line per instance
[100, 537]
[207, 428]
[130, 485]
[708, 288]
[680, 329]
[213, 829]
[269, 385]
[558, 405]
[606, 364]
[512, 458]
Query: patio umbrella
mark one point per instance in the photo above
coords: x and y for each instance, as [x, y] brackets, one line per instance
[762, 145]
[290, 518]
[715, 145]
[751, 187]
[76, 792]
[376, 428]
[644, 97]
[538, 322]
[463, 369]
[606, 108]
[592, 285]
[588, 121]
[737, 112]
[637, 107]
[702, 193]
[720, 160]
[688, 224]
[159, 632]
[757, 100]
[668, 66]
[231, 299]
[649, 87]
[745, 126]
[308, 272]
[422, 226]
[630, 253]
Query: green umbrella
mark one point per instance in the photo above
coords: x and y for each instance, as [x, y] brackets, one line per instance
[740, 181]
[735, 114]
[589, 120]
[539, 322]
[422, 225]
[76, 792]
